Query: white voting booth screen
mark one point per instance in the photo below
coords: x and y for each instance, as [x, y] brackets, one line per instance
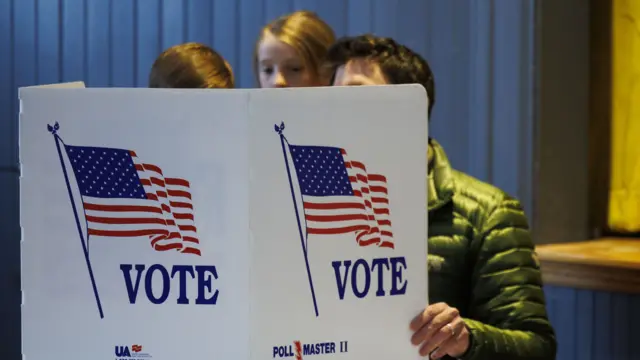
[222, 224]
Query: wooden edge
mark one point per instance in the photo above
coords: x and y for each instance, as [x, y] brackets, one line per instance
[606, 263]
[605, 252]
[591, 277]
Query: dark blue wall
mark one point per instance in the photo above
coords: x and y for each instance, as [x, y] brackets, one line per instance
[482, 53]
[594, 325]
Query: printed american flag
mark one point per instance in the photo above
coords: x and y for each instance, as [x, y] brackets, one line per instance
[124, 197]
[341, 197]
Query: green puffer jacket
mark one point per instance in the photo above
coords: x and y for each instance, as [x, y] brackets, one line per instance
[482, 262]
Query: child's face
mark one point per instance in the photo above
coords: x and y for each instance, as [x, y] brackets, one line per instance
[279, 65]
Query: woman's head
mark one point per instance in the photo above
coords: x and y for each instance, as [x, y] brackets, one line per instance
[291, 50]
[191, 66]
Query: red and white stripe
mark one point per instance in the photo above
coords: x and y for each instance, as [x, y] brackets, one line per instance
[165, 216]
[366, 213]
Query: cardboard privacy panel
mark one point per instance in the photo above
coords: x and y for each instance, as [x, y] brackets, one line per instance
[222, 224]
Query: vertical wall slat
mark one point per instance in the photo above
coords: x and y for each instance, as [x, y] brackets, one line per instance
[10, 289]
[458, 116]
[633, 319]
[528, 135]
[48, 44]
[173, 23]
[251, 20]
[25, 64]
[507, 72]
[564, 323]
[332, 11]
[385, 17]
[448, 56]
[311, 5]
[18, 71]
[8, 124]
[360, 17]
[414, 29]
[276, 8]
[584, 323]
[73, 40]
[620, 334]
[123, 41]
[226, 32]
[9, 225]
[148, 40]
[480, 83]
[603, 326]
[199, 25]
[25, 60]
[98, 39]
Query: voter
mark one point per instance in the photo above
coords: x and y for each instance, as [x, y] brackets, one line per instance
[291, 50]
[191, 65]
[485, 286]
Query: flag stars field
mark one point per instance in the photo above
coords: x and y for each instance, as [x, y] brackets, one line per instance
[339, 196]
[123, 197]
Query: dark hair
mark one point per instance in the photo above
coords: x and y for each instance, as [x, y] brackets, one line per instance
[398, 63]
[189, 66]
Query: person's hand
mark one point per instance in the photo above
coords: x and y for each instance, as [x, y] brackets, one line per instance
[440, 331]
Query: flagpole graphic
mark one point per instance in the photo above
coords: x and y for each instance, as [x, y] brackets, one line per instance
[54, 131]
[339, 195]
[279, 130]
[124, 197]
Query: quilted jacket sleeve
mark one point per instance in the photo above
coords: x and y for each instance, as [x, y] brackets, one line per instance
[508, 306]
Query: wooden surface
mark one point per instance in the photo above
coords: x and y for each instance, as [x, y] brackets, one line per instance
[608, 264]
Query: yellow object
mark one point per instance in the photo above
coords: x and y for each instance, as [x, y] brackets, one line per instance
[624, 199]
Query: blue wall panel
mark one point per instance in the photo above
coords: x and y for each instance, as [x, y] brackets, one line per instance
[594, 325]
[481, 53]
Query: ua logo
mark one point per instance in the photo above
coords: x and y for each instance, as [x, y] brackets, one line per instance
[122, 351]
